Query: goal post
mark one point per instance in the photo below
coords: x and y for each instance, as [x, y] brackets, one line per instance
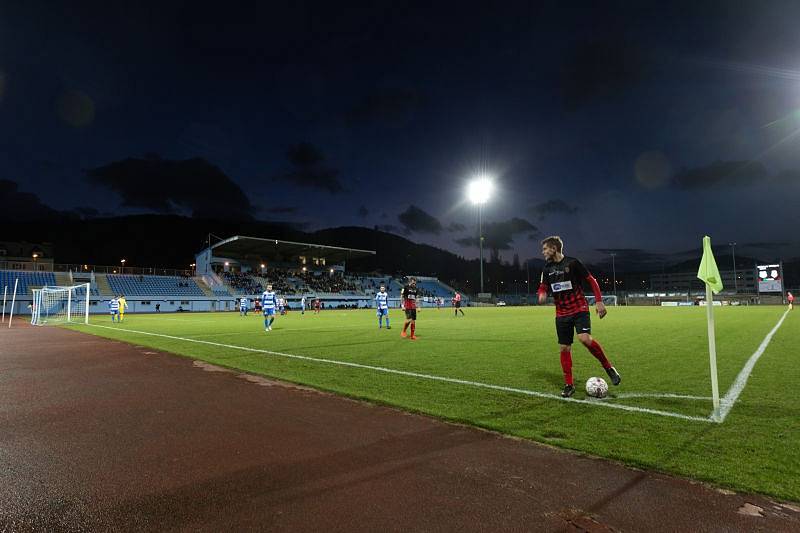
[608, 299]
[61, 305]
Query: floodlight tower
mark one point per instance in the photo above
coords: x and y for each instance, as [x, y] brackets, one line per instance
[478, 192]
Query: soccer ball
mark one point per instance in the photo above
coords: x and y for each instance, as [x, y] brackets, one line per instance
[596, 387]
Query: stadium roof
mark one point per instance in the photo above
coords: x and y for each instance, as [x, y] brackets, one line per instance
[242, 247]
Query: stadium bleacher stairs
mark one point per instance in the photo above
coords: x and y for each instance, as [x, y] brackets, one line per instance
[204, 287]
[63, 279]
[102, 285]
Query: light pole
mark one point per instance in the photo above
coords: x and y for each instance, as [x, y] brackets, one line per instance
[122, 266]
[614, 274]
[478, 193]
[733, 256]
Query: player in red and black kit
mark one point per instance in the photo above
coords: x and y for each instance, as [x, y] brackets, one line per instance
[409, 296]
[563, 277]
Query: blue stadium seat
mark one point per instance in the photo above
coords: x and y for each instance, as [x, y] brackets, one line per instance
[27, 280]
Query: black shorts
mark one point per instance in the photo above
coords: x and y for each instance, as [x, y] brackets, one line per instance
[567, 326]
[411, 314]
[458, 304]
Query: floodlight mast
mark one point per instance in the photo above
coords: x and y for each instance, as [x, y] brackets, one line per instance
[478, 193]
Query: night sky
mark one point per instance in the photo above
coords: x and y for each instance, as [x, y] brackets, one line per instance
[632, 128]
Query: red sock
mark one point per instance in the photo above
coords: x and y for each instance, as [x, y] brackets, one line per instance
[597, 351]
[405, 326]
[413, 327]
[566, 365]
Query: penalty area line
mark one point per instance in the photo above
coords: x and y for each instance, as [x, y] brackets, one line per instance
[430, 377]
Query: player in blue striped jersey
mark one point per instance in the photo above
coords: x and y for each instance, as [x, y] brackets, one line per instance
[269, 303]
[382, 304]
[113, 307]
[244, 304]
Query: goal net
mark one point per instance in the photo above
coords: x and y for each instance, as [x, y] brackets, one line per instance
[608, 299]
[60, 305]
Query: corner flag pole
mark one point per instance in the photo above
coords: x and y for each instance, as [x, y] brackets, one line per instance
[712, 349]
[709, 274]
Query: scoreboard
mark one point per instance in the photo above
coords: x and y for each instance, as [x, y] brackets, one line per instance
[769, 278]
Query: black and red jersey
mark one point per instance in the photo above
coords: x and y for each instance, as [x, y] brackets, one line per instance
[564, 281]
[409, 295]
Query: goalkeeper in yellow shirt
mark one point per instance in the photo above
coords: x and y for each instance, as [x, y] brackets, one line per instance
[123, 305]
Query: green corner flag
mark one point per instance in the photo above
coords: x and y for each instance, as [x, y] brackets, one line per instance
[708, 271]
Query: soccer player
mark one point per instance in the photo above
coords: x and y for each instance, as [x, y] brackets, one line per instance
[790, 297]
[113, 308]
[123, 305]
[382, 305]
[457, 304]
[409, 296]
[303, 305]
[244, 304]
[562, 276]
[317, 305]
[268, 304]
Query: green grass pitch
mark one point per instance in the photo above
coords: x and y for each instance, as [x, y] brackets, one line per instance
[658, 351]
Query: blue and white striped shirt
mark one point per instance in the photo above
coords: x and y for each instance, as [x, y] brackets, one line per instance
[382, 300]
[243, 303]
[269, 300]
[113, 305]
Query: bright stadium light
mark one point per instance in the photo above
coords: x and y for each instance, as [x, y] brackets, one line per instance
[480, 189]
[478, 192]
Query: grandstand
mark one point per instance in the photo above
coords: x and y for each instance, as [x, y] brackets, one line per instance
[27, 280]
[230, 269]
[154, 286]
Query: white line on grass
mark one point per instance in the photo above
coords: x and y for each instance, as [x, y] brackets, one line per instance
[422, 376]
[625, 395]
[728, 401]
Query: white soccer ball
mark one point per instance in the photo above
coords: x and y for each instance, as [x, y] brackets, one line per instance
[596, 387]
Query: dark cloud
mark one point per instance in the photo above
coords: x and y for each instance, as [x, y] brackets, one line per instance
[390, 107]
[455, 227]
[86, 212]
[416, 220]
[498, 235]
[21, 206]
[599, 68]
[289, 210]
[363, 212]
[389, 228]
[553, 207]
[721, 174]
[310, 170]
[168, 186]
[384, 216]
[635, 259]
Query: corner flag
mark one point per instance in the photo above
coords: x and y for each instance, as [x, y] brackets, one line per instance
[708, 271]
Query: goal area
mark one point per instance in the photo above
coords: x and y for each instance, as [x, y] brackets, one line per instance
[60, 305]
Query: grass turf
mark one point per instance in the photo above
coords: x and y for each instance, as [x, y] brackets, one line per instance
[657, 350]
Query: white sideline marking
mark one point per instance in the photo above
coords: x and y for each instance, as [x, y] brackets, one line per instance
[423, 376]
[625, 395]
[727, 402]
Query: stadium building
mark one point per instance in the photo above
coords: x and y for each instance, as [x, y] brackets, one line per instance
[223, 273]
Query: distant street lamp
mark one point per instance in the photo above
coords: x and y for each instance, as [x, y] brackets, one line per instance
[122, 267]
[614, 272]
[478, 192]
[733, 256]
